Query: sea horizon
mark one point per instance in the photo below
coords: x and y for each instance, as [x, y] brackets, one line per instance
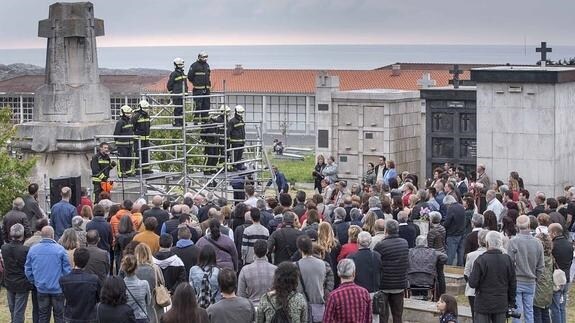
[304, 56]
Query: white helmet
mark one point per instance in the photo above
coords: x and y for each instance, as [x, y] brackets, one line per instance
[126, 109]
[240, 109]
[179, 62]
[144, 104]
[203, 55]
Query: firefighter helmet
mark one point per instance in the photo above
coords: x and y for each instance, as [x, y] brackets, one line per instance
[240, 109]
[203, 55]
[126, 109]
[225, 109]
[179, 62]
[144, 104]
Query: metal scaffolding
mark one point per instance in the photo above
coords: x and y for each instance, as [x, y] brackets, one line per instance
[177, 155]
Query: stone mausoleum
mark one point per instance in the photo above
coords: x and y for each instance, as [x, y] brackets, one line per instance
[357, 127]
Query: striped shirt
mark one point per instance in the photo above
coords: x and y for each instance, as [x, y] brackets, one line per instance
[138, 293]
[349, 303]
[252, 233]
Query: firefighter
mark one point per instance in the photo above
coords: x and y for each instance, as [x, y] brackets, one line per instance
[177, 84]
[124, 145]
[211, 138]
[237, 136]
[101, 166]
[141, 123]
[199, 75]
[221, 119]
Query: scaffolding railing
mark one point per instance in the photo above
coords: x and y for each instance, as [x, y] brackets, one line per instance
[178, 154]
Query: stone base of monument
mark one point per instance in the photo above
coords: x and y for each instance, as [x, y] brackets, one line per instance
[454, 280]
[61, 149]
[422, 311]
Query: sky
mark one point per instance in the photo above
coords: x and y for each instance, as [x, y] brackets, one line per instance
[262, 22]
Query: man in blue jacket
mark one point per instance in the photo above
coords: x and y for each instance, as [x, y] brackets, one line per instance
[62, 213]
[281, 181]
[46, 262]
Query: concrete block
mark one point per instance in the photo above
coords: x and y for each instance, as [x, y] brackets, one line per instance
[542, 148]
[500, 168]
[484, 144]
[501, 142]
[544, 119]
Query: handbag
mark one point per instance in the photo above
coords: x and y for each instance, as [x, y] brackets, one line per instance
[559, 278]
[314, 311]
[161, 293]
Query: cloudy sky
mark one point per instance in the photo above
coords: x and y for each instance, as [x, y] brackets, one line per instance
[245, 22]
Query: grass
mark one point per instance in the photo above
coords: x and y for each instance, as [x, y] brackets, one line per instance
[296, 171]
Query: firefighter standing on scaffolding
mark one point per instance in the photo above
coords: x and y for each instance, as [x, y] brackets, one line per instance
[210, 134]
[141, 123]
[199, 75]
[221, 119]
[124, 145]
[237, 136]
[101, 164]
[177, 84]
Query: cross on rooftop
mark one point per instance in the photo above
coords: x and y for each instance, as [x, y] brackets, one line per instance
[426, 81]
[543, 50]
[456, 72]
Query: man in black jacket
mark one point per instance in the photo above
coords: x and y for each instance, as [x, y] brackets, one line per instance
[185, 249]
[237, 136]
[394, 253]
[454, 224]
[141, 122]
[199, 75]
[81, 290]
[31, 207]
[103, 228]
[282, 243]
[124, 144]
[367, 264]
[172, 266]
[563, 256]
[100, 166]
[16, 215]
[157, 212]
[177, 84]
[17, 285]
[493, 277]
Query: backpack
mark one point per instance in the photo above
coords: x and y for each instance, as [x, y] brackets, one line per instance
[206, 297]
[280, 314]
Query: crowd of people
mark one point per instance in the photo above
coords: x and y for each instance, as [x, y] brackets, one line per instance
[340, 255]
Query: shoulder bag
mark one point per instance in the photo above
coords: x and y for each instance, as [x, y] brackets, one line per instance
[138, 303]
[315, 311]
[161, 293]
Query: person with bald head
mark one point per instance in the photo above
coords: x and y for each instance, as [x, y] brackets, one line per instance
[563, 256]
[16, 215]
[157, 212]
[62, 213]
[46, 262]
[527, 254]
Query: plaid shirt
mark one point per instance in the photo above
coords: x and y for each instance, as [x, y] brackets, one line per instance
[349, 303]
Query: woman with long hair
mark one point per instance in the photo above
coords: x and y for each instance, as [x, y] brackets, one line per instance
[125, 235]
[139, 294]
[469, 206]
[206, 271]
[69, 240]
[284, 297]
[148, 271]
[113, 305]
[369, 222]
[490, 220]
[326, 239]
[316, 173]
[226, 252]
[185, 307]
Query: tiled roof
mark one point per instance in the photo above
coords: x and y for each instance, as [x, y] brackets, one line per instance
[257, 81]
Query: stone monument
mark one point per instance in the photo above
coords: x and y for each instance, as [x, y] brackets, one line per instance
[525, 123]
[72, 106]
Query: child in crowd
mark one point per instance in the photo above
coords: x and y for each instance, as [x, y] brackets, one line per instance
[447, 306]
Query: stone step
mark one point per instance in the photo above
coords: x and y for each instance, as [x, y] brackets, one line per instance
[455, 283]
[422, 311]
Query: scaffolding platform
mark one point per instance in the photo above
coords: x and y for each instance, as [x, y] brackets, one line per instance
[178, 159]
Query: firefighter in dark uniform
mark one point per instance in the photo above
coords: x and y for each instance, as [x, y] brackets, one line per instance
[177, 84]
[124, 127]
[211, 138]
[237, 136]
[221, 119]
[199, 75]
[101, 166]
[141, 123]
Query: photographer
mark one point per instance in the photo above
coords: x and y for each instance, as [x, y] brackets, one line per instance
[493, 277]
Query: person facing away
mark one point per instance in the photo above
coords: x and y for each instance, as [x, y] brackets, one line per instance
[171, 265]
[349, 303]
[231, 308]
[62, 213]
[185, 307]
[81, 290]
[99, 262]
[256, 278]
[137, 290]
[113, 305]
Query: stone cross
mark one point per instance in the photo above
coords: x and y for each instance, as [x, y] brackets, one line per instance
[543, 50]
[466, 120]
[426, 81]
[455, 72]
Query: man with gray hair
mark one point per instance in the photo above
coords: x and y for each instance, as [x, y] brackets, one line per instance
[494, 205]
[470, 260]
[406, 231]
[340, 226]
[493, 277]
[394, 253]
[16, 215]
[423, 263]
[62, 213]
[349, 302]
[265, 215]
[471, 242]
[454, 224]
[375, 206]
[157, 212]
[526, 252]
[379, 233]
[367, 264]
[17, 285]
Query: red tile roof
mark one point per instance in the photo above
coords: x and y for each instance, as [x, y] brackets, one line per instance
[257, 81]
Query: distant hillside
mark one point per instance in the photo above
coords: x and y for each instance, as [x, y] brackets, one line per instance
[13, 70]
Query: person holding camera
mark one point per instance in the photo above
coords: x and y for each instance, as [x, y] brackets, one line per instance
[493, 277]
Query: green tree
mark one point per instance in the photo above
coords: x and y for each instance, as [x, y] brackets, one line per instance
[13, 171]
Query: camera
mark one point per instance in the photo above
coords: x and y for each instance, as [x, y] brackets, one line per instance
[513, 313]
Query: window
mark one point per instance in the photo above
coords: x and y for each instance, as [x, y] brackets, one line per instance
[288, 112]
[22, 107]
[323, 138]
[252, 103]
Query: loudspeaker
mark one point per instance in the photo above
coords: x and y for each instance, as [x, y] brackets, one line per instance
[56, 185]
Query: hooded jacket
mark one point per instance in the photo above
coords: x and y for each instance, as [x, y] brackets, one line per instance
[172, 268]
